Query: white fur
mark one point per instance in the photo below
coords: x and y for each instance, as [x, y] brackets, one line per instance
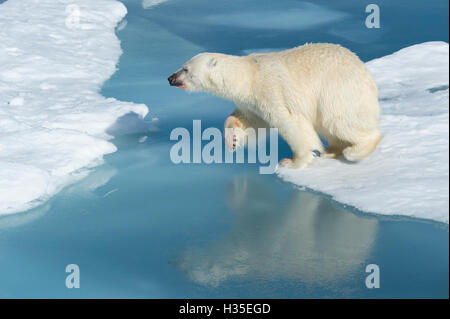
[305, 91]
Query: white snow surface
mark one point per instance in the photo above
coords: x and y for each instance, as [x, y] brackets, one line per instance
[54, 58]
[408, 174]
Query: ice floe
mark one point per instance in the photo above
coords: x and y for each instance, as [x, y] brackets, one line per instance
[408, 173]
[54, 124]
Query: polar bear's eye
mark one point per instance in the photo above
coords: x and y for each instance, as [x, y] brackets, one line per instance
[185, 70]
[212, 63]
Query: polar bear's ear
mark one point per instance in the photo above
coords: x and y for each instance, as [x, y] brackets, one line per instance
[212, 62]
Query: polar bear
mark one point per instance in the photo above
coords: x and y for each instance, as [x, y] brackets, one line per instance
[311, 90]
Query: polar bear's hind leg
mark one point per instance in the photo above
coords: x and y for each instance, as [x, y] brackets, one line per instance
[363, 147]
[335, 147]
[302, 139]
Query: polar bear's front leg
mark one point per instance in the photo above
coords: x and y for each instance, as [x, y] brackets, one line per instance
[236, 125]
[234, 133]
[302, 139]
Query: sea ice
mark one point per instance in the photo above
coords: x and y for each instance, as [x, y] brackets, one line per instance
[408, 173]
[54, 58]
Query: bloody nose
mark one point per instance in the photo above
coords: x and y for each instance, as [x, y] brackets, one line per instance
[172, 79]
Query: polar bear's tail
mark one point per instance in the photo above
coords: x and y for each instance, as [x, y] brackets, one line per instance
[363, 147]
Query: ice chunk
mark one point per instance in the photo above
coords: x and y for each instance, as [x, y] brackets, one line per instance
[54, 57]
[409, 172]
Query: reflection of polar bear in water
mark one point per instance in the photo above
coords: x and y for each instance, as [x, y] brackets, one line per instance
[309, 90]
[305, 240]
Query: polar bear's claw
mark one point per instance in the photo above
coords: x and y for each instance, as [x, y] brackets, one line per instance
[317, 153]
[234, 138]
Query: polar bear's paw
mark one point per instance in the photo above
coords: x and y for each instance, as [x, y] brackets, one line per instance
[234, 138]
[302, 162]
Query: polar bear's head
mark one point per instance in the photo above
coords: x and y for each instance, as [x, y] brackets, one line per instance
[201, 73]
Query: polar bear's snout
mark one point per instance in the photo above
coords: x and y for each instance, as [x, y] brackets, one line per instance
[174, 80]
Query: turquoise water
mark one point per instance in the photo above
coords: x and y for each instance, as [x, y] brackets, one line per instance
[142, 227]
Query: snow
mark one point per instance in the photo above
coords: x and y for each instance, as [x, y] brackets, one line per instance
[408, 175]
[54, 124]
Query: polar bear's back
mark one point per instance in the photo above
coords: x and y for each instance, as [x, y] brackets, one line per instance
[333, 78]
[330, 60]
[319, 64]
